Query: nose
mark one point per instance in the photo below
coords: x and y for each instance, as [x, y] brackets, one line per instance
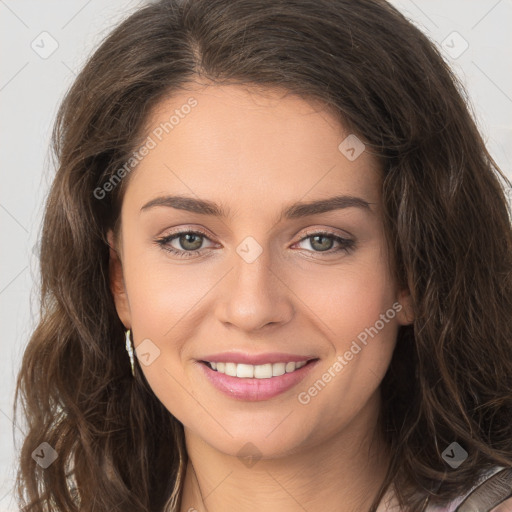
[254, 295]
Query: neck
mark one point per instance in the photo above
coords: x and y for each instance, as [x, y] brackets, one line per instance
[343, 472]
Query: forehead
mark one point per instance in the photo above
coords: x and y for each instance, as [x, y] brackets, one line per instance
[257, 146]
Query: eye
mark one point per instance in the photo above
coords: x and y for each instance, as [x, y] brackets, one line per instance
[323, 241]
[190, 241]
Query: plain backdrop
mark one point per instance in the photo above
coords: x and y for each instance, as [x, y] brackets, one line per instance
[44, 43]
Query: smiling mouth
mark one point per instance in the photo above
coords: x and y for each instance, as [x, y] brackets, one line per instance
[260, 371]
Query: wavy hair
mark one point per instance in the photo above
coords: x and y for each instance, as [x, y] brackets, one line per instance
[447, 221]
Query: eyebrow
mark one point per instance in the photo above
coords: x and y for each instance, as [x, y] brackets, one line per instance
[294, 211]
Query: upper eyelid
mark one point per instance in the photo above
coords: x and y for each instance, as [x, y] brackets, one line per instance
[194, 231]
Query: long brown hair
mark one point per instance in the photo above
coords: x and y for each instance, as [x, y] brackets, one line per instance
[447, 223]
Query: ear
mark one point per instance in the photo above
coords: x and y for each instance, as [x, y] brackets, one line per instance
[404, 308]
[117, 284]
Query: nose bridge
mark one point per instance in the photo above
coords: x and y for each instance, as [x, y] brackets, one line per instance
[253, 296]
[253, 268]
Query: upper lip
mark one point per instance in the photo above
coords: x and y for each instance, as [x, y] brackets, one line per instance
[255, 359]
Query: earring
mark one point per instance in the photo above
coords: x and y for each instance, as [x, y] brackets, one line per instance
[129, 349]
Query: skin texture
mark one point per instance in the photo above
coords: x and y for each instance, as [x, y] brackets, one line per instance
[255, 152]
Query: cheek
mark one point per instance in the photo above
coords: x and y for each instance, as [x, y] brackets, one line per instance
[162, 292]
[167, 305]
[349, 298]
[160, 304]
[358, 320]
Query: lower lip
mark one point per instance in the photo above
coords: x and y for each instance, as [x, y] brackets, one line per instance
[254, 390]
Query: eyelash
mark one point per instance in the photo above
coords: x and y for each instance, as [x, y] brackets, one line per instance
[346, 245]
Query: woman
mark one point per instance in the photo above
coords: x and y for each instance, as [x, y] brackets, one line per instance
[286, 209]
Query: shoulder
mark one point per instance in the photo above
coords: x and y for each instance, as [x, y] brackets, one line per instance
[492, 493]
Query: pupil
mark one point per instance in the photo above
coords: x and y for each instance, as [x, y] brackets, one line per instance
[186, 239]
[322, 248]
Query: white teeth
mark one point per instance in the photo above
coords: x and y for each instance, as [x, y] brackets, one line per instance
[290, 367]
[278, 369]
[259, 371]
[263, 371]
[245, 371]
[230, 369]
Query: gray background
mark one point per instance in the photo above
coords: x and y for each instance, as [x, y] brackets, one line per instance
[33, 80]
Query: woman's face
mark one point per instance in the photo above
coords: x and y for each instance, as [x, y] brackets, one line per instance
[265, 279]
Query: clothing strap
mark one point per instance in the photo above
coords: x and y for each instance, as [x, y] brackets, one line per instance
[489, 494]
